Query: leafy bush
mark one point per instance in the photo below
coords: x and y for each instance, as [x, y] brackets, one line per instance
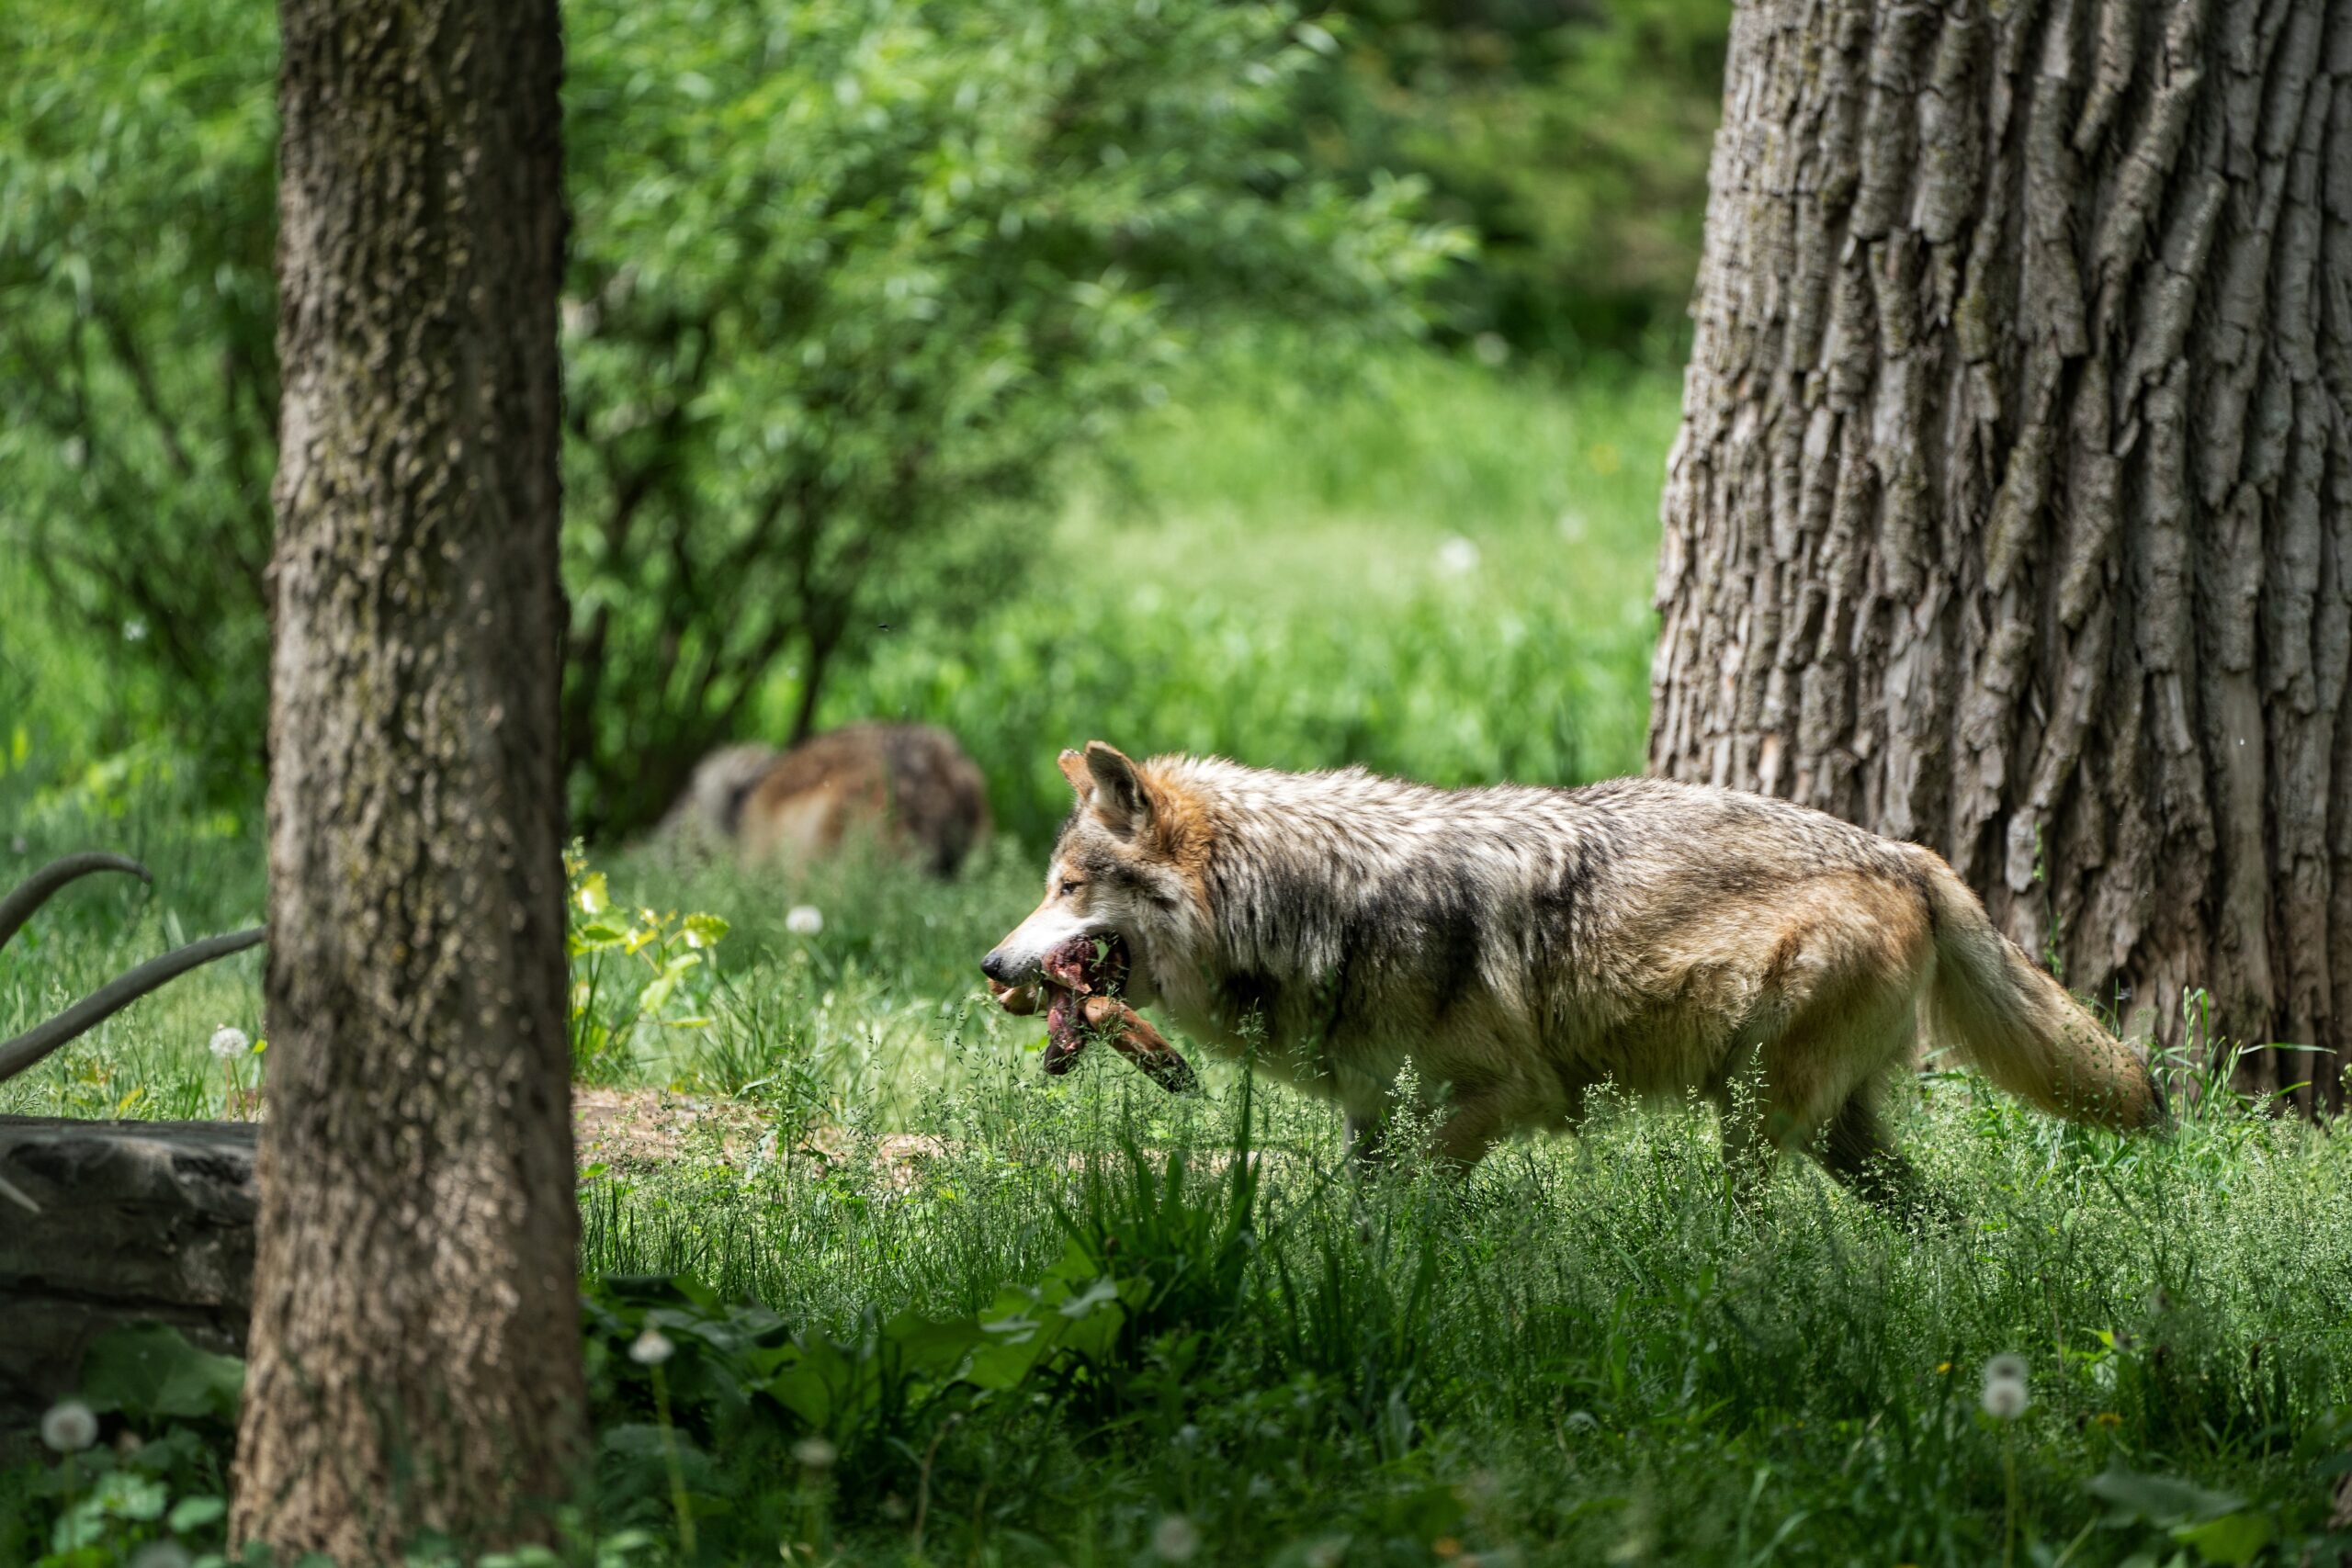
[630, 970]
[845, 274]
[1570, 136]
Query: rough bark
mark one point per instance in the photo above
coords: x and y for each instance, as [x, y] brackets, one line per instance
[133, 1221]
[416, 1340]
[2012, 508]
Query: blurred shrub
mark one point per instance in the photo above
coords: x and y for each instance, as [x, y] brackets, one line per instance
[1570, 136]
[845, 274]
[1428, 569]
[138, 363]
[1436, 691]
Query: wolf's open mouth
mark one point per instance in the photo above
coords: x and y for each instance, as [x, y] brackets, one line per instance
[1091, 966]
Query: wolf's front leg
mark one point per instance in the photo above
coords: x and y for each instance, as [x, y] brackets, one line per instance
[1365, 1140]
[1475, 1124]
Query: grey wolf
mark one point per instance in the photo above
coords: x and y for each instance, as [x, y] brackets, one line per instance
[909, 787]
[1524, 946]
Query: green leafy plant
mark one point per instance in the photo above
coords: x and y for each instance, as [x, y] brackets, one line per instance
[169, 1410]
[2217, 1526]
[847, 275]
[629, 970]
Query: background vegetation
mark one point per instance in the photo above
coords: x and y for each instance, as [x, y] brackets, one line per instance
[856, 287]
[1191, 375]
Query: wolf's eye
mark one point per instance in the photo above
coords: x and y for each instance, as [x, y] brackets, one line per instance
[1069, 885]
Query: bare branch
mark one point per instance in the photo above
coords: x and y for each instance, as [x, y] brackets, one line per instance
[19, 906]
[37, 1041]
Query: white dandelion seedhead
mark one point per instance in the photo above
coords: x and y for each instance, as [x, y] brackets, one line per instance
[815, 1453]
[162, 1554]
[804, 920]
[1175, 1538]
[230, 1043]
[2005, 1388]
[68, 1427]
[651, 1348]
[1457, 557]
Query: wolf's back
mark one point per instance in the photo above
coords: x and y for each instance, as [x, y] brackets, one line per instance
[2020, 1027]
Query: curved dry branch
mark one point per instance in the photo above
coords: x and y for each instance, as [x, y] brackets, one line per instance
[36, 889]
[37, 1041]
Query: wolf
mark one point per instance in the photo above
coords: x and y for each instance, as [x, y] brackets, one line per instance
[1523, 946]
[909, 786]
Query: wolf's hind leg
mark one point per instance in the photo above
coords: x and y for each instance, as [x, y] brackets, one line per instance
[1857, 1149]
[1475, 1124]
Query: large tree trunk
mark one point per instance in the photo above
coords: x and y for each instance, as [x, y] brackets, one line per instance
[415, 1338]
[2012, 510]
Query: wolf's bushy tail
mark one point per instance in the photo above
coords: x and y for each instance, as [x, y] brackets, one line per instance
[2020, 1027]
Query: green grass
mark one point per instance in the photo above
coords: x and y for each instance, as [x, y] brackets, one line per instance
[1585, 1355]
[1267, 576]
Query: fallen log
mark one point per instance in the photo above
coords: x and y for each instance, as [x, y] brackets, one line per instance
[115, 1223]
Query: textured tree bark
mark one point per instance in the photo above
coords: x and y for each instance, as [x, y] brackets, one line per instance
[416, 1335]
[2012, 508]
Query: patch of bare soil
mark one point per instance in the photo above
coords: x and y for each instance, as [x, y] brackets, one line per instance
[640, 1129]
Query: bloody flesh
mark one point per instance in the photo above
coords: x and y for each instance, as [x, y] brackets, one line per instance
[1084, 977]
[1082, 966]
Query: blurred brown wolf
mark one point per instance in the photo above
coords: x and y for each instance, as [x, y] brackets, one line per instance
[1522, 946]
[909, 786]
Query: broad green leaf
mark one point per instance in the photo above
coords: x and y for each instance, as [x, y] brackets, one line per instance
[152, 1371]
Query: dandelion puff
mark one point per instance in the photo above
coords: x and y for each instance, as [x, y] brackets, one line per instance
[804, 920]
[162, 1554]
[651, 1348]
[1457, 557]
[68, 1427]
[1175, 1538]
[815, 1453]
[2005, 1388]
[230, 1043]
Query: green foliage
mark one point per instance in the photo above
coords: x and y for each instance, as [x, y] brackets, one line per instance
[169, 1415]
[845, 275]
[850, 272]
[630, 971]
[1584, 1353]
[152, 1373]
[137, 324]
[1570, 136]
[1271, 570]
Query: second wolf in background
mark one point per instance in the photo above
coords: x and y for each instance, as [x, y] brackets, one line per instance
[909, 787]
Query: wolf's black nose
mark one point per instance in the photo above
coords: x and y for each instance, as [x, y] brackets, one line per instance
[996, 968]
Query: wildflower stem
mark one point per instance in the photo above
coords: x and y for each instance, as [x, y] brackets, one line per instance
[2009, 1475]
[677, 1471]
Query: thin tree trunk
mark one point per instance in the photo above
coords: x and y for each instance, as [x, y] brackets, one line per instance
[2012, 508]
[415, 1338]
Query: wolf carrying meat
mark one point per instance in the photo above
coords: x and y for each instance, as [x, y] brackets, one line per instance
[1524, 946]
[1085, 976]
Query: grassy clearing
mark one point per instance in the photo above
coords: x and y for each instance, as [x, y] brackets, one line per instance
[1588, 1355]
[1585, 1355]
[1393, 560]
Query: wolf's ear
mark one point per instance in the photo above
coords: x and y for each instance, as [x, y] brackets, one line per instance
[1073, 767]
[1118, 795]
